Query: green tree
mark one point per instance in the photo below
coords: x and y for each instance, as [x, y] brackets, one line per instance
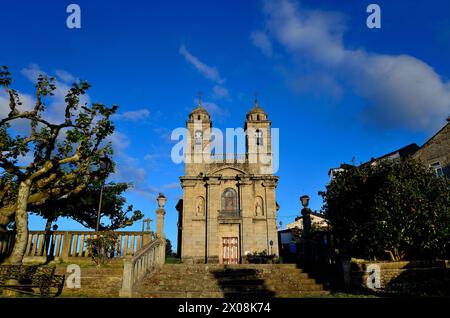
[397, 209]
[83, 207]
[63, 158]
[169, 251]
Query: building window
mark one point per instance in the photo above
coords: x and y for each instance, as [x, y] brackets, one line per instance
[229, 202]
[198, 137]
[437, 168]
[259, 137]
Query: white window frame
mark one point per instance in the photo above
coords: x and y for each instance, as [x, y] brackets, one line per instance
[438, 170]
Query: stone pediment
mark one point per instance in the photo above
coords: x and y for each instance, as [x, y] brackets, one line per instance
[227, 171]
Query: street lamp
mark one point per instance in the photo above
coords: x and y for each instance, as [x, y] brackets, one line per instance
[305, 200]
[105, 165]
[306, 213]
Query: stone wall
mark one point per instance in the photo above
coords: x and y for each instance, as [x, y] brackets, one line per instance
[409, 278]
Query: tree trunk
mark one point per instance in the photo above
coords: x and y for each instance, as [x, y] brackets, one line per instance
[4, 221]
[48, 224]
[20, 244]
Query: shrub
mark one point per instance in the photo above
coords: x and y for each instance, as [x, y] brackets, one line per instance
[396, 209]
[261, 258]
[102, 247]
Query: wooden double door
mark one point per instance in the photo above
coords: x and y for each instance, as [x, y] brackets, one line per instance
[230, 250]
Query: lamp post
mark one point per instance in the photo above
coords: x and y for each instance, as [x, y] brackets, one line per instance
[306, 213]
[105, 165]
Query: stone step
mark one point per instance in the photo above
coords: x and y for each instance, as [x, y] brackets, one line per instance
[239, 295]
[239, 267]
[222, 276]
[166, 280]
[205, 280]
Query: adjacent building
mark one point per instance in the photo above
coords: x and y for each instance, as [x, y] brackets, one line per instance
[434, 153]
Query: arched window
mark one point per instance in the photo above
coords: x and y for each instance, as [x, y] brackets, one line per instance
[229, 201]
[198, 137]
[258, 137]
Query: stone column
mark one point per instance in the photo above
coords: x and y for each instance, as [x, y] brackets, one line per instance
[271, 216]
[247, 214]
[213, 201]
[160, 212]
[67, 242]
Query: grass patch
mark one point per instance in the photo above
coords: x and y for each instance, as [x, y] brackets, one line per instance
[172, 260]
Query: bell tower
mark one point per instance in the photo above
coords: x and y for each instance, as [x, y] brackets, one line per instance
[198, 142]
[258, 140]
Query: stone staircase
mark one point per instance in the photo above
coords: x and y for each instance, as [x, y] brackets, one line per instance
[95, 282]
[214, 281]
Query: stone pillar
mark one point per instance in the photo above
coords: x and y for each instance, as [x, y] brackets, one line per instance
[306, 213]
[67, 242]
[127, 278]
[160, 212]
[213, 205]
[247, 214]
[271, 217]
[345, 262]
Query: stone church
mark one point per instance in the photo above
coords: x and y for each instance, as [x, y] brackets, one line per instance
[228, 207]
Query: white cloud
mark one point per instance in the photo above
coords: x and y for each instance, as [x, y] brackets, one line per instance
[55, 111]
[32, 72]
[401, 91]
[261, 40]
[118, 140]
[150, 157]
[207, 71]
[135, 115]
[66, 76]
[220, 92]
[214, 109]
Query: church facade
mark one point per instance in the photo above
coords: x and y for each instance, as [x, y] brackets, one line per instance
[228, 207]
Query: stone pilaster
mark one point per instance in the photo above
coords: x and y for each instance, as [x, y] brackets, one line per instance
[213, 201]
[272, 231]
[247, 212]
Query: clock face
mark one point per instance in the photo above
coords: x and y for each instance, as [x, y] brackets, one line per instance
[198, 134]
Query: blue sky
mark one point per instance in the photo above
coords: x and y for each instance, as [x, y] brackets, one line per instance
[335, 89]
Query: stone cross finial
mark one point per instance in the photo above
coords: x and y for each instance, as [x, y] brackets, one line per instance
[199, 97]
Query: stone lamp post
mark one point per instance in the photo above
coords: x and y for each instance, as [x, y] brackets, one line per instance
[160, 212]
[306, 213]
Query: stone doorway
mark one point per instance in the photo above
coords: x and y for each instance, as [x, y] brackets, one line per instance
[230, 252]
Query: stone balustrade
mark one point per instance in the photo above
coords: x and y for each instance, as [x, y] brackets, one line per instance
[65, 245]
[137, 267]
